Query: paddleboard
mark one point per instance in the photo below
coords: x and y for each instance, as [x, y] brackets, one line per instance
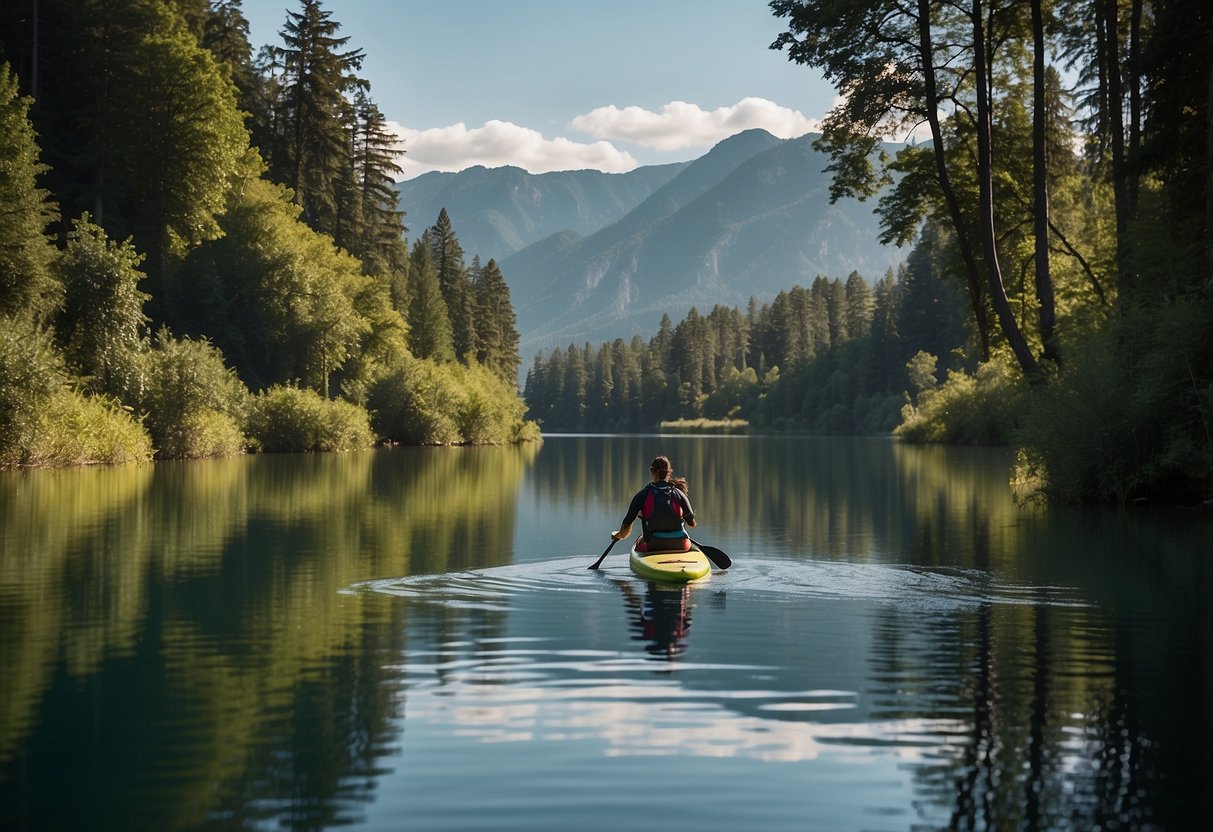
[675, 567]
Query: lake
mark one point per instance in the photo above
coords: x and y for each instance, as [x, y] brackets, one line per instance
[409, 638]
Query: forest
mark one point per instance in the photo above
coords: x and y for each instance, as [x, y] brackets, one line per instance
[1057, 192]
[202, 251]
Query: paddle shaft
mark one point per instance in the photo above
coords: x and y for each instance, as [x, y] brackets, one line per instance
[602, 557]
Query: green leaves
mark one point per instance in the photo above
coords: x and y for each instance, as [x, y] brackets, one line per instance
[26, 285]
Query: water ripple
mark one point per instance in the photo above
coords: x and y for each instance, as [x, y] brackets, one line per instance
[925, 588]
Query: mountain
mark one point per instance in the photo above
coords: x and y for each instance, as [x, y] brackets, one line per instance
[498, 211]
[749, 218]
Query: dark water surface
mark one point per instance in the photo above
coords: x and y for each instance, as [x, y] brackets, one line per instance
[410, 639]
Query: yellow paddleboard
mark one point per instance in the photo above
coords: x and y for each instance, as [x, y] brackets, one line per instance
[676, 567]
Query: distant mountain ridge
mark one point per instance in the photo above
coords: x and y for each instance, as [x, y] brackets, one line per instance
[748, 219]
[498, 211]
[592, 256]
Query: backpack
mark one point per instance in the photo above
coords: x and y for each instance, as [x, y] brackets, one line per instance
[662, 510]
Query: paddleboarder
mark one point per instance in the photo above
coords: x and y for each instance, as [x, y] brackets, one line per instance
[664, 510]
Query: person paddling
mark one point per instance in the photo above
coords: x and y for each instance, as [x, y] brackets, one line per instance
[664, 510]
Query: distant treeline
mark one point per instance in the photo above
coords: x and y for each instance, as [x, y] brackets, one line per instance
[831, 358]
[203, 251]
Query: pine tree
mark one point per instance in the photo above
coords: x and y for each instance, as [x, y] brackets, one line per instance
[378, 241]
[316, 78]
[429, 325]
[26, 283]
[859, 305]
[447, 257]
[497, 330]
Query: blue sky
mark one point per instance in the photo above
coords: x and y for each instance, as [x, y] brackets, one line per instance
[566, 84]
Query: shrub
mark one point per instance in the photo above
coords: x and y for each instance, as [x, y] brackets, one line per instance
[31, 370]
[195, 405]
[1125, 417]
[74, 429]
[431, 403]
[286, 419]
[412, 404]
[980, 409]
[201, 433]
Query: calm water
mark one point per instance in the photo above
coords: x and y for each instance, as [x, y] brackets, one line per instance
[409, 639]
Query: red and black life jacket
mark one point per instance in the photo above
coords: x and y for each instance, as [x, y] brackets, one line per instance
[662, 510]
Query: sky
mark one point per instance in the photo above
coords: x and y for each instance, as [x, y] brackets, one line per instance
[568, 84]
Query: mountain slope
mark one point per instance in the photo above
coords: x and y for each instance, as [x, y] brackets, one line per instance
[498, 211]
[763, 225]
[530, 271]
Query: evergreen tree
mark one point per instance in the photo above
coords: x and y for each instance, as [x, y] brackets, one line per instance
[26, 282]
[858, 304]
[885, 349]
[497, 330]
[429, 324]
[572, 384]
[317, 75]
[225, 33]
[378, 239]
[453, 280]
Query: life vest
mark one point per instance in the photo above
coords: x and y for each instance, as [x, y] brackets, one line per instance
[662, 510]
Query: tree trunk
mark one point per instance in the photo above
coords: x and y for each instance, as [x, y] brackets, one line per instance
[1040, 188]
[1208, 235]
[927, 53]
[985, 190]
[1106, 11]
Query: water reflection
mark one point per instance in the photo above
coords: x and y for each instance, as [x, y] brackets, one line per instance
[320, 641]
[660, 616]
[174, 634]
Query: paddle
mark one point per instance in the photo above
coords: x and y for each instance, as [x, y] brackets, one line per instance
[601, 558]
[716, 556]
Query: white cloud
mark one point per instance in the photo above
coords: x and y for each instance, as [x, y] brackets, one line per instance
[500, 143]
[681, 125]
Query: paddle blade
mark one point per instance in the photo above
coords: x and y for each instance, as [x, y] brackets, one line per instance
[602, 557]
[717, 556]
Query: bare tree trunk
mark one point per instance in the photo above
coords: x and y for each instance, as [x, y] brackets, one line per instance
[1040, 188]
[985, 190]
[927, 52]
[1209, 184]
[1107, 12]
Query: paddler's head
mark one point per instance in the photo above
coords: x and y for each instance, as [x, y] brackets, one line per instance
[661, 468]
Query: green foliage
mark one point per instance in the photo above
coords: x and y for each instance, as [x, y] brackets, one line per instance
[310, 151]
[921, 372]
[428, 319]
[277, 296]
[455, 284]
[102, 318]
[1111, 429]
[45, 422]
[309, 286]
[425, 403]
[823, 359]
[31, 371]
[183, 138]
[26, 285]
[293, 419]
[983, 408]
[496, 324]
[194, 405]
[75, 429]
